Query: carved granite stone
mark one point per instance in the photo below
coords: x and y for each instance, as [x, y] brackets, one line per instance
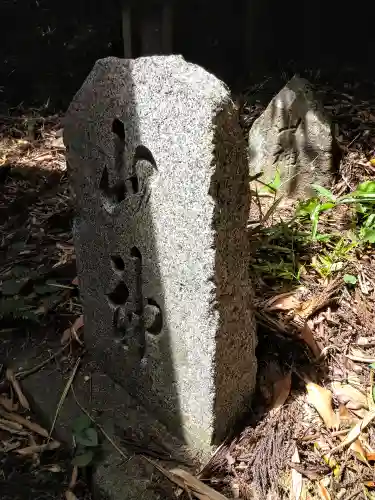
[159, 173]
[292, 138]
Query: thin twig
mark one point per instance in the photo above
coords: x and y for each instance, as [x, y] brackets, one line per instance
[354, 494]
[63, 395]
[17, 388]
[21, 375]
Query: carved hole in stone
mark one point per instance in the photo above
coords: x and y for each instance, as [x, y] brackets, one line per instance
[120, 294]
[134, 252]
[117, 263]
[143, 153]
[118, 129]
[134, 183]
[153, 318]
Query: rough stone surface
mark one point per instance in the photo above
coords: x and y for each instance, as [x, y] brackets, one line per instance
[292, 137]
[159, 170]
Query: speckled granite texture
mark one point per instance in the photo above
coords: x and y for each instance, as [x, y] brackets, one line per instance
[160, 177]
[293, 137]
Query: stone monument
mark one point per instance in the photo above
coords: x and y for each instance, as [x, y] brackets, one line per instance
[159, 173]
[292, 139]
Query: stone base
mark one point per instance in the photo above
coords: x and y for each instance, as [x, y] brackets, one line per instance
[122, 418]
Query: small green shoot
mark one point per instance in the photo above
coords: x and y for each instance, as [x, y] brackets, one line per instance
[334, 257]
[350, 279]
[362, 199]
[290, 247]
[312, 209]
[87, 441]
[365, 188]
[324, 193]
[273, 186]
[368, 235]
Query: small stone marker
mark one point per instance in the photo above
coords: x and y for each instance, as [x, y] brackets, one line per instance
[292, 139]
[160, 176]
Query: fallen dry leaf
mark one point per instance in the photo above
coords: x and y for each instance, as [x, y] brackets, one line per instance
[321, 399]
[297, 481]
[355, 432]
[30, 450]
[360, 359]
[188, 482]
[345, 416]
[365, 340]
[11, 425]
[73, 330]
[281, 391]
[8, 404]
[360, 413]
[366, 445]
[58, 143]
[69, 495]
[348, 395]
[35, 456]
[25, 423]
[359, 451]
[230, 459]
[283, 302]
[17, 389]
[11, 430]
[10, 446]
[306, 334]
[359, 356]
[74, 477]
[200, 490]
[323, 492]
[235, 489]
[55, 468]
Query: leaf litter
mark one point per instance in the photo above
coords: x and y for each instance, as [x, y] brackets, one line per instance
[304, 439]
[316, 315]
[38, 295]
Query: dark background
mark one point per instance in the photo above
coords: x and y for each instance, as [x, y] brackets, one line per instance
[48, 47]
